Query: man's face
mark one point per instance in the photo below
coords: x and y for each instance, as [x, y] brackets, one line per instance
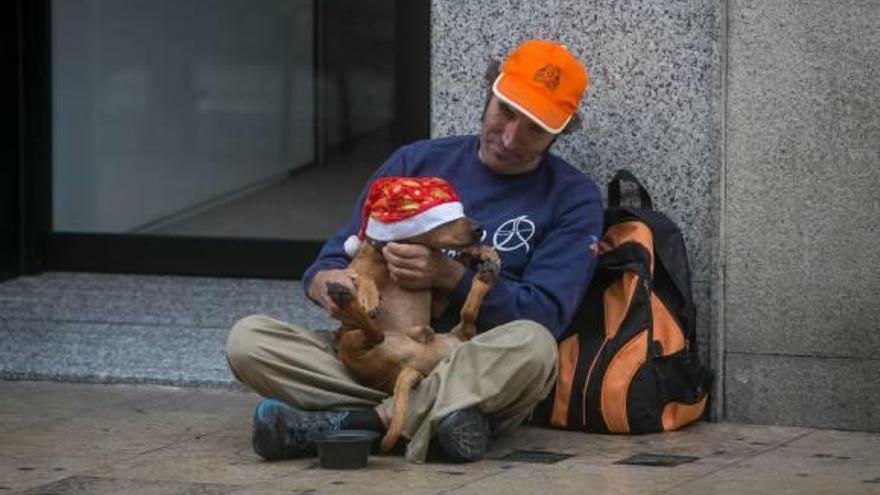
[510, 142]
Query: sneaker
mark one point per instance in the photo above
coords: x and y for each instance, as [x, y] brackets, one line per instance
[282, 432]
[464, 435]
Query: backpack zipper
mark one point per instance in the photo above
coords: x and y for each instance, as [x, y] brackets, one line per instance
[645, 284]
[587, 381]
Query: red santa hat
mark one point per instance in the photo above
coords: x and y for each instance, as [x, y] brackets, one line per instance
[401, 207]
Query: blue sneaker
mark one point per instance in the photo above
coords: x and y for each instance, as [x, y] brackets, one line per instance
[282, 432]
[464, 435]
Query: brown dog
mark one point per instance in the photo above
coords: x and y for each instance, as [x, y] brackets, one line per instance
[385, 339]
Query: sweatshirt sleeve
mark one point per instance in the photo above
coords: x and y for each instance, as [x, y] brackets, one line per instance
[332, 255]
[555, 278]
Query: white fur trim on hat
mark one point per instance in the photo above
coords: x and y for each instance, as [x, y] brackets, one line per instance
[416, 224]
[351, 245]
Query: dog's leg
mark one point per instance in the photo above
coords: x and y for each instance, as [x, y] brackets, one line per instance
[367, 295]
[487, 273]
[370, 267]
[352, 313]
[406, 380]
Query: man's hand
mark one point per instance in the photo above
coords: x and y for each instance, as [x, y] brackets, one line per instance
[413, 266]
[318, 288]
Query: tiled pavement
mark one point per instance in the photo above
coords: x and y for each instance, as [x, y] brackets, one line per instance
[123, 439]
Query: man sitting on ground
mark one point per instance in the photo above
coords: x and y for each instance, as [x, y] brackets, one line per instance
[540, 214]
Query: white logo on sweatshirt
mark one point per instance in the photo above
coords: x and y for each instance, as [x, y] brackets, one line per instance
[514, 234]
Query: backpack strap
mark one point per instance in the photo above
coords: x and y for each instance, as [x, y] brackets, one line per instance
[671, 256]
[669, 248]
[628, 257]
[614, 190]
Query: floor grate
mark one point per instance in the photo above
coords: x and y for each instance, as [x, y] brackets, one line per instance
[664, 460]
[535, 456]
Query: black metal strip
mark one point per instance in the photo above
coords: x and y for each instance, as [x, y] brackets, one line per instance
[12, 142]
[206, 256]
[318, 43]
[36, 128]
[412, 62]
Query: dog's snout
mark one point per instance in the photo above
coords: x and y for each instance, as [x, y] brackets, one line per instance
[477, 230]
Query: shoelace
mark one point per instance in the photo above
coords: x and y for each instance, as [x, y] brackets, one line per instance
[314, 422]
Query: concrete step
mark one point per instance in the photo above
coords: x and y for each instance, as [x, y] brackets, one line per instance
[158, 329]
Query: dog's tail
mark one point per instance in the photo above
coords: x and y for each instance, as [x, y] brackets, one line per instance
[406, 380]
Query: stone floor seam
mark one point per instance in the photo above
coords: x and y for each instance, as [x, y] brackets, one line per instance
[737, 462]
[808, 356]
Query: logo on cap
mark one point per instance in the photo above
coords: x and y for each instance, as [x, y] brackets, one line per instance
[549, 76]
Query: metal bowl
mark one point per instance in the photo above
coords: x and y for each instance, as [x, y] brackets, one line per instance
[343, 449]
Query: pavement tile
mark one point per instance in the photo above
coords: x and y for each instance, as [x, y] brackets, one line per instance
[28, 467]
[27, 403]
[387, 474]
[221, 457]
[226, 457]
[76, 485]
[31, 402]
[75, 428]
[712, 442]
[149, 440]
[717, 446]
[126, 425]
[822, 462]
[102, 438]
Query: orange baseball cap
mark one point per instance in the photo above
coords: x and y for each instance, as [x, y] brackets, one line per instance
[544, 81]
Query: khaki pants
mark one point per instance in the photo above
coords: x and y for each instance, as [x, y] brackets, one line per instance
[504, 372]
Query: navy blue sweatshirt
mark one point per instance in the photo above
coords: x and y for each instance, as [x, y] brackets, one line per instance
[543, 224]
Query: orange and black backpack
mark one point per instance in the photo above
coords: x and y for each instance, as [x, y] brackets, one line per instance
[629, 361]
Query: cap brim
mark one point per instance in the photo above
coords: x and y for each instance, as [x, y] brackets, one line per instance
[529, 102]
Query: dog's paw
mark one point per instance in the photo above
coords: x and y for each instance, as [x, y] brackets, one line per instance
[369, 299]
[489, 265]
[339, 294]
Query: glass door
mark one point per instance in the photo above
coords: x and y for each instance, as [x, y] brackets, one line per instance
[165, 110]
[225, 137]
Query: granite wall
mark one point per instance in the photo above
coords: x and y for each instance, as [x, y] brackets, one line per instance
[652, 104]
[800, 218]
[756, 127]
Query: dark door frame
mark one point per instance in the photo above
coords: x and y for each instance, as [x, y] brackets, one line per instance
[10, 201]
[10, 208]
[25, 211]
[37, 248]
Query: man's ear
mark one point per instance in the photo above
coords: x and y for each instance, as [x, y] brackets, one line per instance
[493, 69]
[575, 124]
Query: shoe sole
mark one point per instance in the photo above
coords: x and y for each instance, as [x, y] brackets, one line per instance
[464, 435]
